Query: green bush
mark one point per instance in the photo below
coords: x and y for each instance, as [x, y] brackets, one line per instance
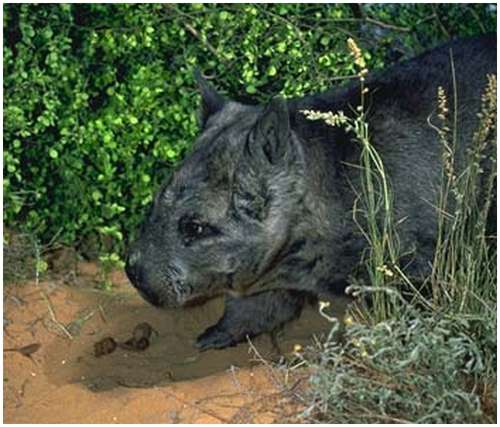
[100, 102]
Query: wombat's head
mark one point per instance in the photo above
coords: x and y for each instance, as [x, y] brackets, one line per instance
[218, 224]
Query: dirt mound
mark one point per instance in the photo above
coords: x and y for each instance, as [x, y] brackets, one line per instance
[168, 381]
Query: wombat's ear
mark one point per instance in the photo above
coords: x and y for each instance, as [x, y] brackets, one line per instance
[211, 101]
[272, 131]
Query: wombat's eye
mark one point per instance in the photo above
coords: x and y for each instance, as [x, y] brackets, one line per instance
[191, 228]
[194, 228]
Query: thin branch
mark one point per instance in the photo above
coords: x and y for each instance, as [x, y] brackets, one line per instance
[438, 20]
[470, 8]
[194, 32]
[385, 25]
[201, 39]
[198, 407]
[53, 315]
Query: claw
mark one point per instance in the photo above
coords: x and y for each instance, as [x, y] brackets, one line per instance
[214, 338]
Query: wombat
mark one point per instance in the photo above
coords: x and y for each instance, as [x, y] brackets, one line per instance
[262, 208]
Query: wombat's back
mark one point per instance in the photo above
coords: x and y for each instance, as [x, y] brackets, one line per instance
[402, 110]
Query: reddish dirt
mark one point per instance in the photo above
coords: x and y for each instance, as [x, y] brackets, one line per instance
[169, 382]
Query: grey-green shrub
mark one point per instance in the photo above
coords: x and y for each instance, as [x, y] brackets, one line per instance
[414, 368]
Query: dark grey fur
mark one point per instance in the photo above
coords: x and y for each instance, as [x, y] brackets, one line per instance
[262, 208]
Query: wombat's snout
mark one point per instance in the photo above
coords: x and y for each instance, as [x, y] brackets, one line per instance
[133, 267]
[136, 275]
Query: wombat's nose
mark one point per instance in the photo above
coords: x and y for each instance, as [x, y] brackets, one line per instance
[132, 267]
[135, 273]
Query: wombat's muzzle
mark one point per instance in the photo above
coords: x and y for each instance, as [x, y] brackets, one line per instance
[136, 275]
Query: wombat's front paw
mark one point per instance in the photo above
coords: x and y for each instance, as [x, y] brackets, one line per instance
[215, 337]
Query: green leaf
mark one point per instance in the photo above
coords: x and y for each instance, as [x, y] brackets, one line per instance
[41, 266]
[251, 89]
[271, 71]
[96, 195]
[281, 47]
[108, 137]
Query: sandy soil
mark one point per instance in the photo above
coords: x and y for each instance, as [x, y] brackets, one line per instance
[169, 382]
